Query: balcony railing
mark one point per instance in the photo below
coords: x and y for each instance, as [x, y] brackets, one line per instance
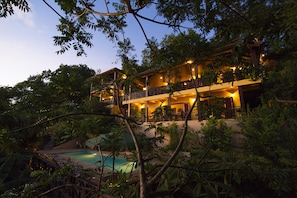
[164, 89]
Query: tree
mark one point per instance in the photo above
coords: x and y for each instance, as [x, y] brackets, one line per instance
[71, 83]
[262, 27]
[174, 50]
[228, 20]
[7, 7]
[39, 98]
[5, 104]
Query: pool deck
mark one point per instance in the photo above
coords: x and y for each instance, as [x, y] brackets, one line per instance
[94, 171]
[60, 158]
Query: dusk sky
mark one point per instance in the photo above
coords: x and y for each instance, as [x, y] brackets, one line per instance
[27, 47]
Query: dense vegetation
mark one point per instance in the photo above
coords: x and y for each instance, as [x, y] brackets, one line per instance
[263, 164]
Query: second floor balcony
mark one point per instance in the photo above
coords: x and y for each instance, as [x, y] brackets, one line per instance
[184, 85]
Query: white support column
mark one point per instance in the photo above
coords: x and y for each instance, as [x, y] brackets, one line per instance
[168, 85]
[196, 76]
[146, 95]
[129, 98]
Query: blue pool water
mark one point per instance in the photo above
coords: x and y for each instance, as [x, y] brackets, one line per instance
[91, 157]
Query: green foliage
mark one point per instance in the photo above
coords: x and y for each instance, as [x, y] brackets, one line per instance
[163, 113]
[271, 132]
[158, 113]
[5, 116]
[70, 82]
[174, 134]
[120, 187]
[62, 131]
[7, 7]
[45, 182]
[209, 76]
[217, 133]
[41, 97]
[219, 167]
[177, 49]
[265, 167]
[14, 171]
[281, 81]
[212, 107]
[228, 75]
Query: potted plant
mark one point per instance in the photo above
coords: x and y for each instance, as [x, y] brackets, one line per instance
[158, 114]
[238, 74]
[228, 75]
[209, 77]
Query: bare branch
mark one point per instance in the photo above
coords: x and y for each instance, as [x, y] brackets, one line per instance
[82, 13]
[143, 31]
[237, 13]
[161, 23]
[107, 9]
[142, 175]
[286, 101]
[66, 115]
[106, 14]
[177, 149]
[53, 9]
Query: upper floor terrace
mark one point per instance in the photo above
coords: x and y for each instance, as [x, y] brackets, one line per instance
[177, 87]
[186, 78]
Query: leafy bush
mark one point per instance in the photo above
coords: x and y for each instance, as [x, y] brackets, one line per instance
[271, 140]
[217, 133]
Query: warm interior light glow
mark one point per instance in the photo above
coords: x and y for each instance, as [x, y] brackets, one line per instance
[232, 94]
[189, 62]
[193, 69]
[144, 88]
[124, 76]
[161, 77]
[262, 56]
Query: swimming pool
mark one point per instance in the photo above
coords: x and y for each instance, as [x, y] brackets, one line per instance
[91, 157]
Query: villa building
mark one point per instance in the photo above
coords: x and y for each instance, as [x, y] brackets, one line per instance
[168, 94]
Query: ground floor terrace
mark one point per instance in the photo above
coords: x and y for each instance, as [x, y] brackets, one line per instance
[225, 100]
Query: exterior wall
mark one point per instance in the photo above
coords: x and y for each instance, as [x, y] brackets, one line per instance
[157, 80]
[193, 125]
[145, 102]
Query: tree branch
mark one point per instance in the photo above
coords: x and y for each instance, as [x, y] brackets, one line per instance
[106, 14]
[161, 23]
[176, 151]
[54, 10]
[142, 175]
[66, 115]
[237, 13]
[286, 101]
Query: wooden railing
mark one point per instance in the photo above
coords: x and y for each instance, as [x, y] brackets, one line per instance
[184, 85]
